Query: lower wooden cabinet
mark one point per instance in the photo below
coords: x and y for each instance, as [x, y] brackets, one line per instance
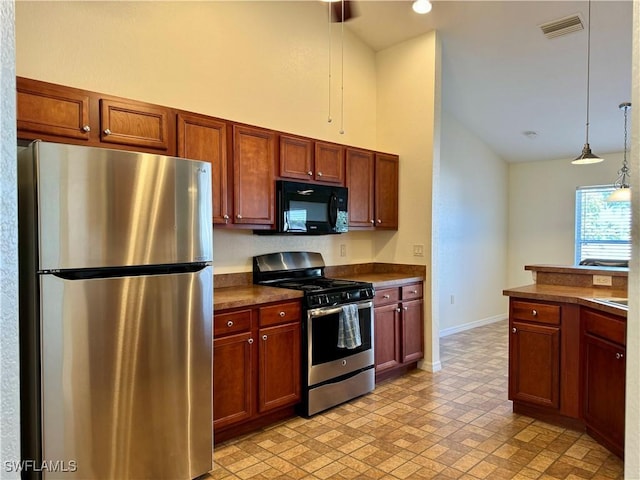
[399, 329]
[256, 366]
[604, 370]
[567, 365]
[534, 366]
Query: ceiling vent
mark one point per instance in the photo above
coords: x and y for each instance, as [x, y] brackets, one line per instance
[563, 26]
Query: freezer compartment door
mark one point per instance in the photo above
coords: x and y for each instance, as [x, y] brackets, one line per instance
[126, 376]
[97, 207]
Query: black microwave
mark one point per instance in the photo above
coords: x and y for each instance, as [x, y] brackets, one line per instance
[310, 209]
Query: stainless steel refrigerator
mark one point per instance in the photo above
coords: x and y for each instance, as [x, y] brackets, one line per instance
[116, 286]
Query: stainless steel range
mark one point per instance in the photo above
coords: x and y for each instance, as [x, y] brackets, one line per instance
[337, 328]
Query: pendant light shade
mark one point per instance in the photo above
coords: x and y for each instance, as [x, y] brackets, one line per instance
[587, 156]
[622, 193]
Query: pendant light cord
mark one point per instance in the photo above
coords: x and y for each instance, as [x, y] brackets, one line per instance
[342, 76]
[329, 41]
[588, 68]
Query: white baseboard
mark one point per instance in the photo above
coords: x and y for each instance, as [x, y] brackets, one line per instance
[468, 326]
[430, 366]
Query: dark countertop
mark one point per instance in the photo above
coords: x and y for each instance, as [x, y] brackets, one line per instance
[236, 292]
[384, 280]
[249, 295]
[588, 297]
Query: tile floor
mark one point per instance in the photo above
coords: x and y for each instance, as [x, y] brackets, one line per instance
[456, 423]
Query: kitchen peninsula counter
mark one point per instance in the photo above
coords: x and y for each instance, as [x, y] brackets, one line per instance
[575, 285]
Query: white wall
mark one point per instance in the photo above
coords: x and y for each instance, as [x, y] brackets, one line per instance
[408, 116]
[9, 352]
[542, 210]
[472, 237]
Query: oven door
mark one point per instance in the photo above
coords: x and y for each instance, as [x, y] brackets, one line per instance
[325, 360]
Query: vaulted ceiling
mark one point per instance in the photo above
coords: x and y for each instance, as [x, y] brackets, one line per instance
[502, 77]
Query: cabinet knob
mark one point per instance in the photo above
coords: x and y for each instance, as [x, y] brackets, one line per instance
[398, 309]
[415, 292]
[319, 174]
[405, 308]
[619, 356]
[226, 218]
[534, 313]
[282, 314]
[372, 221]
[385, 296]
[229, 324]
[379, 221]
[264, 337]
[86, 128]
[310, 173]
[250, 341]
[107, 131]
[238, 216]
[514, 330]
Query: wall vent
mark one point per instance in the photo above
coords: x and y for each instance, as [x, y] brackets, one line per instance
[562, 26]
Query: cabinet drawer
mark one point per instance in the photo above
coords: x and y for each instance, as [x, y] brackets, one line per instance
[605, 326]
[235, 322]
[536, 312]
[282, 313]
[386, 295]
[409, 292]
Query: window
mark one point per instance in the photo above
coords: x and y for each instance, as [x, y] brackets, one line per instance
[603, 229]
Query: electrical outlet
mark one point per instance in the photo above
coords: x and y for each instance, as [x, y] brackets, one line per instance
[343, 250]
[603, 280]
[418, 250]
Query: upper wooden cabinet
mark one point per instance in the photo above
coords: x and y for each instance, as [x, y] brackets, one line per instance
[57, 113]
[329, 163]
[205, 138]
[47, 110]
[386, 191]
[134, 124]
[254, 153]
[360, 182]
[372, 179]
[303, 159]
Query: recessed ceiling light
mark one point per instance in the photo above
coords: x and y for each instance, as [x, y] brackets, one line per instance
[422, 6]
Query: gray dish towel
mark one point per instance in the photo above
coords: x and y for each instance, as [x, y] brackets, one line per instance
[349, 327]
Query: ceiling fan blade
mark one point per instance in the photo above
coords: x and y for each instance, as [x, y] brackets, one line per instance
[349, 11]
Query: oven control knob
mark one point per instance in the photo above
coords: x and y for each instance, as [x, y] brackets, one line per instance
[346, 295]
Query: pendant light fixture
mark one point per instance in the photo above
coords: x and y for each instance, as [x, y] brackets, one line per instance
[622, 193]
[587, 156]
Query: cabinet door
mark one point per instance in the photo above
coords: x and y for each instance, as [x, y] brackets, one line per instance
[204, 138]
[44, 109]
[412, 331]
[253, 176]
[232, 379]
[329, 163]
[359, 166]
[604, 390]
[534, 364]
[296, 159]
[134, 124]
[279, 367]
[386, 191]
[387, 337]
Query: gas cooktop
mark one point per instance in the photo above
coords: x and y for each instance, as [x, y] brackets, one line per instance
[305, 271]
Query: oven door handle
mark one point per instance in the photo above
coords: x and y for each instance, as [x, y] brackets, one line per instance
[322, 311]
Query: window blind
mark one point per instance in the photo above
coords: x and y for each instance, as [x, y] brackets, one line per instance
[603, 229]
